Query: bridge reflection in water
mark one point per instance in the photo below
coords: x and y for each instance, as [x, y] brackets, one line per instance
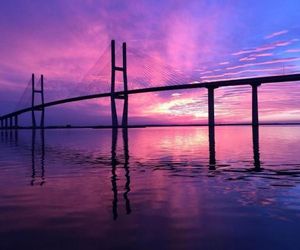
[255, 146]
[38, 155]
[114, 164]
[38, 152]
[118, 158]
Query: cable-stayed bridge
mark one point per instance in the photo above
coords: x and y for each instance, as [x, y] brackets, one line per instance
[172, 79]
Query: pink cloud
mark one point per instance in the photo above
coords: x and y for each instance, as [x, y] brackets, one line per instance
[223, 63]
[246, 59]
[292, 50]
[275, 34]
[239, 73]
[275, 61]
[263, 54]
[266, 47]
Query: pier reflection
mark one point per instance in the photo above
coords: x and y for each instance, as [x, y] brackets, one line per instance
[255, 146]
[256, 154]
[114, 178]
[9, 136]
[212, 148]
[37, 151]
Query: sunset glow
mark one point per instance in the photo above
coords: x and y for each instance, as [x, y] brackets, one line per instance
[186, 42]
[149, 125]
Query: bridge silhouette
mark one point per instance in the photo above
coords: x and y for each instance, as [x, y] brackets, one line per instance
[10, 120]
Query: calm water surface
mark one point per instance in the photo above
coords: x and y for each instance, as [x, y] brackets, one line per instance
[151, 188]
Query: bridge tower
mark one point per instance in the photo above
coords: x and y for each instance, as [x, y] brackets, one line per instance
[114, 94]
[40, 92]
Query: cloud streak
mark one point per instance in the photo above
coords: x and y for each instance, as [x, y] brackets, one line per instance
[275, 34]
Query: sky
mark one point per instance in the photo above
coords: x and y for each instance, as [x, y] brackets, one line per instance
[169, 42]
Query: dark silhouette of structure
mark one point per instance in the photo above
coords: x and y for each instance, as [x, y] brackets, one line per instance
[254, 104]
[256, 154]
[114, 163]
[212, 148]
[255, 146]
[41, 108]
[41, 156]
[8, 123]
[115, 95]
[38, 148]
[211, 106]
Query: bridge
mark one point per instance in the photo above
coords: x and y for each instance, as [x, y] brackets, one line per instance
[10, 120]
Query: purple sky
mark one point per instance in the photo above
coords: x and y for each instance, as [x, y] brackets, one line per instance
[168, 41]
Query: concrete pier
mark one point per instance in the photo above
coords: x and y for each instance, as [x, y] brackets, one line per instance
[211, 106]
[16, 122]
[255, 121]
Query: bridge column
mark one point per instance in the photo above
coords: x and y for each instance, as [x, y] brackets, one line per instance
[43, 101]
[16, 122]
[11, 122]
[114, 95]
[211, 126]
[2, 123]
[32, 102]
[6, 122]
[255, 121]
[33, 106]
[114, 115]
[211, 106]
[125, 107]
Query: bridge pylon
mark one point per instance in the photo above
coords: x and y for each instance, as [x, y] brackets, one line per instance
[114, 94]
[40, 92]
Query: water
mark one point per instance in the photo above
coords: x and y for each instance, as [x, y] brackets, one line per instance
[151, 188]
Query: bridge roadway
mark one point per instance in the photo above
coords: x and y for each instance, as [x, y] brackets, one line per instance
[214, 84]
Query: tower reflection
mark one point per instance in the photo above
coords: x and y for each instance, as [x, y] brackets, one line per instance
[38, 153]
[126, 167]
[114, 163]
[10, 136]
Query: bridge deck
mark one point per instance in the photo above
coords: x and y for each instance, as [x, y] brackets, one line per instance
[213, 84]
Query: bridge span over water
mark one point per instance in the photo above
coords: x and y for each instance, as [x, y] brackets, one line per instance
[10, 120]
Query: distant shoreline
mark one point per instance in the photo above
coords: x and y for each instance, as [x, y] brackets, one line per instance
[161, 125]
